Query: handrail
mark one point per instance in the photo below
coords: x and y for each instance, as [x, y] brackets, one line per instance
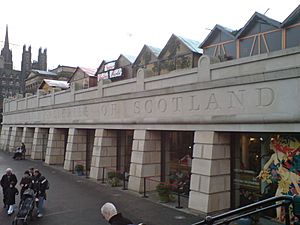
[235, 214]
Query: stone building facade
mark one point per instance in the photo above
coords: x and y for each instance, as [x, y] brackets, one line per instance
[219, 124]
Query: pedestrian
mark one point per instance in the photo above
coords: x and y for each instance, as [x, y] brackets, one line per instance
[25, 182]
[23, 149]
[40, 185]
[12, 191]
[109, 212]
[7, 179]
[31, 172]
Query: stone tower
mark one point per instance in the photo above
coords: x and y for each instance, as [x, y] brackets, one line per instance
[6, 53]
[42, 59]
[26, 61]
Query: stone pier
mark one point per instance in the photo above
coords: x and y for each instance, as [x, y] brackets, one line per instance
[145, 160]
[76, 149]
[27, 139]
[40, 143]
[15, 138]
[210, 181]
[104, 153]
[56, 146]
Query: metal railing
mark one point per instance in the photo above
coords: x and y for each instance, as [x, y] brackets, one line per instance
[175, 189]
[261, 206]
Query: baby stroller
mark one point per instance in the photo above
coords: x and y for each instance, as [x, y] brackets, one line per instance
[26, 207]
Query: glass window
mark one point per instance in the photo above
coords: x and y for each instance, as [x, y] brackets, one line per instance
[265, 165]
[177, 150]
[292, 37]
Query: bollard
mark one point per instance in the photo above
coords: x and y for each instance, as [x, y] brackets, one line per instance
[144, 194]
[178, 199]
[103, 172]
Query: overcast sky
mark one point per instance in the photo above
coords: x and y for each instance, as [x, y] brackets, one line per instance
[83, 33]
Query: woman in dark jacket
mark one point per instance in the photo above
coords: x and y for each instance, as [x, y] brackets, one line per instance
[7, 179]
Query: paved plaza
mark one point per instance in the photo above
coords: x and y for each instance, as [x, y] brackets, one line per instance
[77, 200]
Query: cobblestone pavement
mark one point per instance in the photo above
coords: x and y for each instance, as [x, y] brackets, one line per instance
[77, 200]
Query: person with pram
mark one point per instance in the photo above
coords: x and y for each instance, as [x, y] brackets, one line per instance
[26, 207]
[25, 183]
[40, 185]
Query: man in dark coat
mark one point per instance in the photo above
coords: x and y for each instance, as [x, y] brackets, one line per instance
[109, 212]
[7, 179]
[40, 185]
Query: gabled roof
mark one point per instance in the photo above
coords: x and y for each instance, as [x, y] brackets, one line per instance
[104, 62]
[88, 71]
[153, 50]
[130, 58]
[257, 17]
[42, 72]
[212, 34]
[190, 44]
[294, 16]
[55, 83]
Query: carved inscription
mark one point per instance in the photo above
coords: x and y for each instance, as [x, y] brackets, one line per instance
[213, 101]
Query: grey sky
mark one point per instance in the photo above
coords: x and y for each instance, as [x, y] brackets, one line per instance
[83, 33]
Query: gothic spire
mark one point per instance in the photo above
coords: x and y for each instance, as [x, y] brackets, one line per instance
[6, 53]
[6, 43]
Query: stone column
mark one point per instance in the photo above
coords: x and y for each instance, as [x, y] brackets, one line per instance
[76, 149]
[4, 139]
[145, 160]
[40, 142]
[56, 147]
[15, 138]
[27, 139]
[104, 152]
[210, 180]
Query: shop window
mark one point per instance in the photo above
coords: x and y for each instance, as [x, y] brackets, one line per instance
[124, 149]
[177, 150]
[265, 165]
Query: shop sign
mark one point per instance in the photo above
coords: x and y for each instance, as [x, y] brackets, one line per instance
[110, 71]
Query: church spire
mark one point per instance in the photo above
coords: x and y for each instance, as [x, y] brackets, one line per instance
[6, 53]
[6, 43]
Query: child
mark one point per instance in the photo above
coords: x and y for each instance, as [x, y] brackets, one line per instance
[11, 197]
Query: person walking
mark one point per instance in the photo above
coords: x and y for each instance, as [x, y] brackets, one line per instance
[12, 191]
[40, 185]
[23, 149]
[25, 182]
[109, 212]
[7, 179]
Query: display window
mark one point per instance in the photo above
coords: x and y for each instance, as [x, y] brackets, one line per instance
[177, 151]
[124, 150]
[265, 165]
